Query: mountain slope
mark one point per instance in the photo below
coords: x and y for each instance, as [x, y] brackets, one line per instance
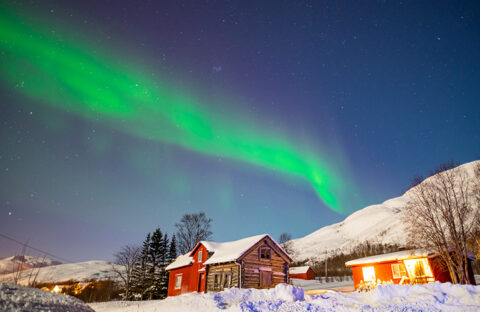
[377, 224]
[16, 263]
[81, 271]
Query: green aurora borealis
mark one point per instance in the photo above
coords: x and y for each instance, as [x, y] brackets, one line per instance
[48, 68]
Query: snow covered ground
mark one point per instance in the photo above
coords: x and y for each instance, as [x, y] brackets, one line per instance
[21, 298]
[81, 271]
[288, 298]
[316, 284]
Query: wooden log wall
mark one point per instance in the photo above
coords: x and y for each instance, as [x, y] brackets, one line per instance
[253, 264]
[220, 269]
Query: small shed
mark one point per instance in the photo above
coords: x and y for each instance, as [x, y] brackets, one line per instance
[402, 267]
[302, 272]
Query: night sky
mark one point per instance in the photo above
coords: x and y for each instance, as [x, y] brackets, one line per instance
[269, 116]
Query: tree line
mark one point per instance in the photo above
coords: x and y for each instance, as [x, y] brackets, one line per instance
[334, 262]
[142, 269]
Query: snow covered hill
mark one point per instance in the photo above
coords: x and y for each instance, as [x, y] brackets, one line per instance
[376, 224]
[81, 271]
[15, 263]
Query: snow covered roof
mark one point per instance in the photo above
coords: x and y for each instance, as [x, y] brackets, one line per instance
[231, 251]
[394, 256]
[222, 252]
[181, 261]
[298, 270]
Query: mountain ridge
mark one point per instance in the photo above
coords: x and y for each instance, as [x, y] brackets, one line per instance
[379, 223]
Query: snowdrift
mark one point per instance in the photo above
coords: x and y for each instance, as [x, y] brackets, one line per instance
[22, 298]
[288, 298]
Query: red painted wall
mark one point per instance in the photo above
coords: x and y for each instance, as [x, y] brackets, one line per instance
[383, 271]
[191, 277]
[306, 276]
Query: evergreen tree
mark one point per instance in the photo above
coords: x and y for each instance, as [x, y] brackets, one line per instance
[150, 276]
[141, 280]
[154, 258]
[158, 261]
[163, 264]
[172, 252]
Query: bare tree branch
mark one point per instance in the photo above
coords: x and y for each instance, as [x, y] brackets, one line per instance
[192, 229]
[125, 261]
[443, 214]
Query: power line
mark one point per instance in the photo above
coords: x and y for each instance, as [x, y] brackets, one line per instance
[36, 249]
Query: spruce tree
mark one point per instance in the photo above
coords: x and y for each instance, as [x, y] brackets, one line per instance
[158, 257]
[163, 274]
[172, 252]
[141, 280]
[150, 276]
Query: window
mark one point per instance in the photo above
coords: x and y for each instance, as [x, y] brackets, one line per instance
[265, 253]
[418, 268]
[227, 279]
[398, 270]
[216, 281]
[200, 256]
[178, 281]
[222, 279]
[368, 274]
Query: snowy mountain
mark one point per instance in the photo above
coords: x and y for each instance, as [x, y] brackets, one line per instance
[81, 271]
[16, 263]
[377, 224]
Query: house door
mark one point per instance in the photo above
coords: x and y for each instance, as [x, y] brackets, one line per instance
[265, 279]
[201, 278]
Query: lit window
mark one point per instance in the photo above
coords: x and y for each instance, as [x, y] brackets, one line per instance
[178, 282]
[398, 270]
[200, 256]
[265, 253]
[418, 268]
[368, 274]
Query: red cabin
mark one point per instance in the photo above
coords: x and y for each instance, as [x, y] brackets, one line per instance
[402, 267]
[303, 272]
[252, 262]
[187, 273]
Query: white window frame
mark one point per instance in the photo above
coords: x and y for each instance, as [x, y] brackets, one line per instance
[200, 254]
[397, 273]
[178, 281]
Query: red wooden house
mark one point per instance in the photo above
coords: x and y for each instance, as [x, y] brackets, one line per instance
[302, 272]
[187, 272]
[256, 261]
[419, 266]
